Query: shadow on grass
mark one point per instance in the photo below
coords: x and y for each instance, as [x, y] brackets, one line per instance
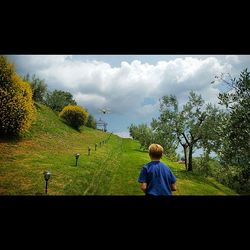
[183, 174]
[75, 129]
[11, 138]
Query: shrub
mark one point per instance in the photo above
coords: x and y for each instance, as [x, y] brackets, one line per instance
[17, 110]
[74, 115]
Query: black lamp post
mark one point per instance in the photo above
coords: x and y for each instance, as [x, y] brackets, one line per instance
[89, 150]
[46, 175]
[77, 156]
[95, 146]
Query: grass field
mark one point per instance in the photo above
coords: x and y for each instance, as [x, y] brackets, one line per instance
[112, 169]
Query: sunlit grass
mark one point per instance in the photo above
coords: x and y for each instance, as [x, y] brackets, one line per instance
[112, 169]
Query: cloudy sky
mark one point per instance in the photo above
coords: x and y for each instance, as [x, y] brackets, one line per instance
[130, 85]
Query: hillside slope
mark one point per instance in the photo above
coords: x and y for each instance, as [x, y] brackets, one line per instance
[112, 169]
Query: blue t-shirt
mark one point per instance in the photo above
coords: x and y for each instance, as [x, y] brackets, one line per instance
[158, 177]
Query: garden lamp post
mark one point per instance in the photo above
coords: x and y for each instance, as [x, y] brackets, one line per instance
[89, 150]
[77, 156]
[46, 175]
[95, 146]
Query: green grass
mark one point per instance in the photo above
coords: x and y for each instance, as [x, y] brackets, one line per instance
[111, 170]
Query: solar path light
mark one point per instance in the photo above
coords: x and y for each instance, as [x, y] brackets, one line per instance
[77, 156]
[89, 150]
[95, 146]
[46, 175]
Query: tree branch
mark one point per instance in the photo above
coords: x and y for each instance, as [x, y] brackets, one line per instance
[186, 139]
[179, 139]
[202, 119]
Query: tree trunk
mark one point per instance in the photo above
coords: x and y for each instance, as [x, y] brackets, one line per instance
[185, 155]
[190, 156]
[185, 147]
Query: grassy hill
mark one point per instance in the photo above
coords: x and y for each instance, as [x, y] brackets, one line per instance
[112, 169]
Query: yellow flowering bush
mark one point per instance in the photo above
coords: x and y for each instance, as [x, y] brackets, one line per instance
[74, 115]
[17, 110]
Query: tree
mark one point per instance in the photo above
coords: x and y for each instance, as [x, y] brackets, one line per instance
[38, 86]
[143, 134]
[237, 100]
[17, 111]
[91, 123]
[236, 149]
[133, 131]
[147, 135]
[58, 99]
[75, 116]
[213, 130]
[187, 127]
[162, 136]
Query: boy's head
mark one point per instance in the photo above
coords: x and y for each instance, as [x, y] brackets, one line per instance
[155, 151]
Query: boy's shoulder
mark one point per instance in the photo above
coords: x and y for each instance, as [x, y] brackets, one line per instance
[164, 164]
[146, 164]
[152, 163]
[156, 164]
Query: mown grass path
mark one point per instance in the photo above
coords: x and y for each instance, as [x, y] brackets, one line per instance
[112, 169]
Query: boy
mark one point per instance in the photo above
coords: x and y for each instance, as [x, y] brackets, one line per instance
[156, 178]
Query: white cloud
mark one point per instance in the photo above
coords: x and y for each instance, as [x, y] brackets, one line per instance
[90, 100]
[232, 59]
[39, 62]
[95, 84]
[148, 110]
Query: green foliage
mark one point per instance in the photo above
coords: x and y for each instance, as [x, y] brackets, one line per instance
[133, 131]
[75, 116]
[91, 123]
[202, 165]
[231, 176]
[146, 136]
[237, 131]
[192, 127]
[58, 99]
[236, 139]
[143, 134]
[212, 131]
[38, 86]
[17, 111]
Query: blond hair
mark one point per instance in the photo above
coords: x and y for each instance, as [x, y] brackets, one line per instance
[155, 151]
